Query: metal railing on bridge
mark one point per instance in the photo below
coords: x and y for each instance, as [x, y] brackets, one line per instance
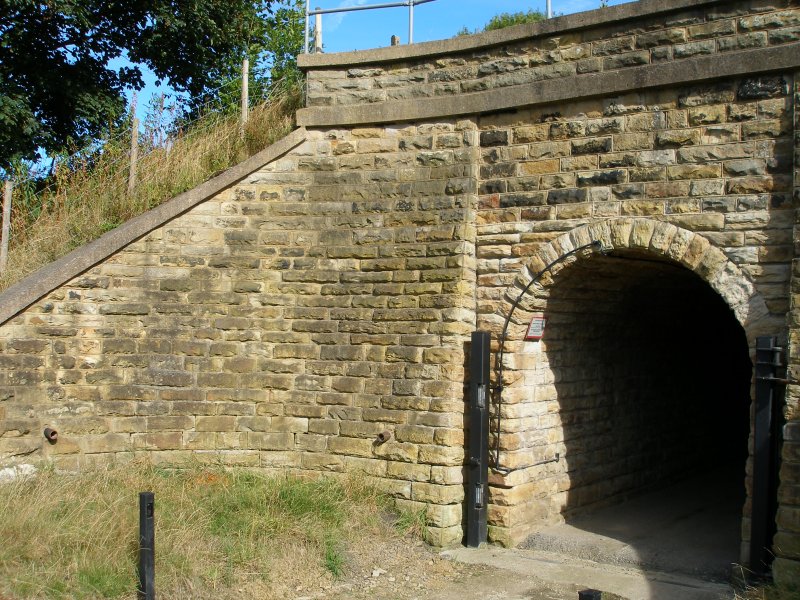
[318, 12]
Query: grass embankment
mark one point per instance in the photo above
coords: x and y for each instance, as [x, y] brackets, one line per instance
[89, 196]
[219, 533]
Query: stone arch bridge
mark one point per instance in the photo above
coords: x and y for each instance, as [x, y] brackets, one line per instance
[286, 312]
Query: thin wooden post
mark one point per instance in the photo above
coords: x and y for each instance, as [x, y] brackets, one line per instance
[7, 192]
[245, 114]
[134, 148]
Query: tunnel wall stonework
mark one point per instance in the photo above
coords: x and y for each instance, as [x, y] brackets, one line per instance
[283, 317]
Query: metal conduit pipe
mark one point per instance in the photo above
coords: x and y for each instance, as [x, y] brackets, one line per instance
[498, 388]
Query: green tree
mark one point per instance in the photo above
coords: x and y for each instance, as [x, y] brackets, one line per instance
[58, 82]
[503, 20]
[274, 39]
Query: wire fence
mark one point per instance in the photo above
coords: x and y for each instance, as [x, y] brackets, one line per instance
[75, 197]
[168, 116]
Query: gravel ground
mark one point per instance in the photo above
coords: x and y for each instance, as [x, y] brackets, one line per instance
[394, 569]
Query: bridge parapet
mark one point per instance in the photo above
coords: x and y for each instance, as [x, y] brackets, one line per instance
[645, 44]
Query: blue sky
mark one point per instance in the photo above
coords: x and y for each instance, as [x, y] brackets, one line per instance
[436, 20]
[432, 21]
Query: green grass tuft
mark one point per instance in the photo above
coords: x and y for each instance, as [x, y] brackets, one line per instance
[217, 531]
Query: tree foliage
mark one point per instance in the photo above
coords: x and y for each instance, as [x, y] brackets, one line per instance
[509, 19]
[503, 20]
[64, 64]
[273, 43]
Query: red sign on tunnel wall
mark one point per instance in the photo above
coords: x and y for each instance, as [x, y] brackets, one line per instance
[536, 328]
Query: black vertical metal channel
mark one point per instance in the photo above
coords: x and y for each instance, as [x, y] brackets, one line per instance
[766, 451]
[478, 439]
[147, 547]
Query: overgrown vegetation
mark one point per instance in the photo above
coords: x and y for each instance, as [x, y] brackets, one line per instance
[64, 64]
[768, 592]
[87, 195]
[503, 20]
[219, 533]
[83, 132]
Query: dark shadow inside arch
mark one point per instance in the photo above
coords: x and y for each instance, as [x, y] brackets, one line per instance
[652, 375]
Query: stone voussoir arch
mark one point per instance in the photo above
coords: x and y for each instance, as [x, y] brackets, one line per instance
[665, 240]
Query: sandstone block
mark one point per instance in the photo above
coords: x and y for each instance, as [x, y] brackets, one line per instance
[215, 423]
[444, 537]
[441, 455]
[694, 171]
[259, 440]
[408, 471]
[447, 475]
[436, 494]
[322, 462]
[350, 446]
[109, 442]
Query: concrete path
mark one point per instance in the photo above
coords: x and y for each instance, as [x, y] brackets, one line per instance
[678, 543]
[692, 528]
[537, 575]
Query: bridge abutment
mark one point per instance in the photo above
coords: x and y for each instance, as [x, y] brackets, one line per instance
[287, 313]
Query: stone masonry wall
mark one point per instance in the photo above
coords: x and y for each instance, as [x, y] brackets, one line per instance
[713, 160]
[282, 324]
[787, 539]
[701, 29]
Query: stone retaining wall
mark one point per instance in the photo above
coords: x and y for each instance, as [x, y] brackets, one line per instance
[283, 323]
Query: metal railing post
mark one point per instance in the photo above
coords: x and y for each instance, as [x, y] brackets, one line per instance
[308, 7]
[397, 4]
[410, 21]
[317, 32]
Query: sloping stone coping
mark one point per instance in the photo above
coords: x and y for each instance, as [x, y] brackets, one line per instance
[21, 295]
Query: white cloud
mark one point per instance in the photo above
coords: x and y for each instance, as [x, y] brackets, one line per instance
[332, 22]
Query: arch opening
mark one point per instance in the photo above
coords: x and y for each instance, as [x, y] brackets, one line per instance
[649, 377]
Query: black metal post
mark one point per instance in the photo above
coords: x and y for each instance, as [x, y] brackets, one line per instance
[478, 439]
[590, 595]
[765, 448]
[147, 546]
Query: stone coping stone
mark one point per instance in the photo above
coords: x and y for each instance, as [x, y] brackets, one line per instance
[31, 289]
[609, 83]
[564, 24]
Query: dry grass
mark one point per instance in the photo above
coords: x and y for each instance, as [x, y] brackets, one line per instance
[219, 533]
[768, 592]
[89, 196]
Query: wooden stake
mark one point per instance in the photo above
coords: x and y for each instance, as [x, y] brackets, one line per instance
[134, 148]
[245, 94]
[8, 190]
